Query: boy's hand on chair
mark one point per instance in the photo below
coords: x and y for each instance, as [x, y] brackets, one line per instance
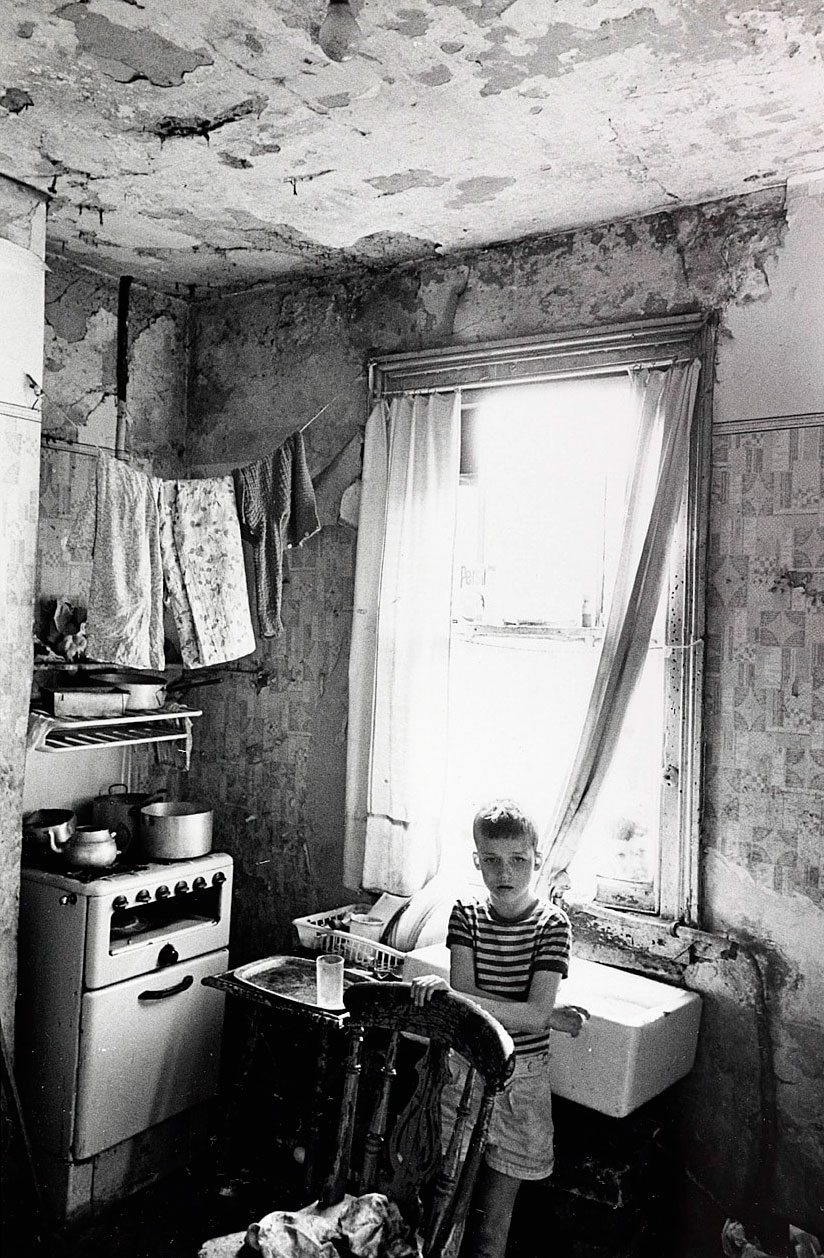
[569, 1019]
[425, 985]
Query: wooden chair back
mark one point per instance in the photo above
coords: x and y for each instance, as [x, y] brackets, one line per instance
[398, 1148]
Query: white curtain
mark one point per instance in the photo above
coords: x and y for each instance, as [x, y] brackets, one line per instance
[666, 399]
[399, 658]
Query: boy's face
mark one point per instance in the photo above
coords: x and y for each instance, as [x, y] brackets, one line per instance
[507, 866]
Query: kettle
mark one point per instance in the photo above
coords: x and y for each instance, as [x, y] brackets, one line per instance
[91, 847]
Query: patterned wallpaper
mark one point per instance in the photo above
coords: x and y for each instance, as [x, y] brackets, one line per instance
[764, 778]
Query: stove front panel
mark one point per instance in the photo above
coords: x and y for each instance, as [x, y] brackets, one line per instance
[51, 939]
[164, 915]
[149, 1048]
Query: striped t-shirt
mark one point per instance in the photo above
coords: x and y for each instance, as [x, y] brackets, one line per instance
[507, 952]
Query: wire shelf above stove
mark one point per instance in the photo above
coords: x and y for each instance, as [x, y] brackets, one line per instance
[83, 733]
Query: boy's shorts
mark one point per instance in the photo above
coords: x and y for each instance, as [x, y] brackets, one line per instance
[520, 1140]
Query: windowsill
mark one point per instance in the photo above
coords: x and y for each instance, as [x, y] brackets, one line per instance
[642, 942]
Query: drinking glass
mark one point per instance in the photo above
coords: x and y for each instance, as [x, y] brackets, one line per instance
[329, 967]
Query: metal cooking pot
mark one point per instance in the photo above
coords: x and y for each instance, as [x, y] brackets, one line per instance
[173, 831]
[49, 828]
[119, 811]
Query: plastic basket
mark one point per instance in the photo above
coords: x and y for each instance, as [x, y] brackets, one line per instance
[315, 931]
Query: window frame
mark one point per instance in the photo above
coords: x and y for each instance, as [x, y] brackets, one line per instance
[589, 352]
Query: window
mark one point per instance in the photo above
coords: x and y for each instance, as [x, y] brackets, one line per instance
[547, 440]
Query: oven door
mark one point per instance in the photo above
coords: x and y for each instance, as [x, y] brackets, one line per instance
[149, 1048]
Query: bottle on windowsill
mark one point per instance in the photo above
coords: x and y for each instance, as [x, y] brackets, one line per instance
[586, 614]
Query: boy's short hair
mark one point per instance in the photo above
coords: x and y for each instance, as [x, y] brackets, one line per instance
[504, 819]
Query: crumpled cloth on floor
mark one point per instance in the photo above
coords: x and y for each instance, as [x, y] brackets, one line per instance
[202, 557]
[117, 524]
[361, 1227]
[277, 508]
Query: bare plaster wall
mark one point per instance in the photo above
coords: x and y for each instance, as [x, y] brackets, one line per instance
[271, 744]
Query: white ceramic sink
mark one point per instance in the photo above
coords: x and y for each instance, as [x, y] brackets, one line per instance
[640, 1038]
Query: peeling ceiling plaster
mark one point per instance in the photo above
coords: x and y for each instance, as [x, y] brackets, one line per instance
[212, 142]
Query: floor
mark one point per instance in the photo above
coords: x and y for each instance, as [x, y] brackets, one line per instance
[170, 1219]
[174, 1217]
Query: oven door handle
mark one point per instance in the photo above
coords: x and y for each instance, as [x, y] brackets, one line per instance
[182, 986]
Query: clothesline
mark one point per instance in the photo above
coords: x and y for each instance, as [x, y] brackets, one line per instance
[178, 543]
[89, 450]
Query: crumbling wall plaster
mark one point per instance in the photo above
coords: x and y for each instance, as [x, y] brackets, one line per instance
[79, 402]
[265, 363]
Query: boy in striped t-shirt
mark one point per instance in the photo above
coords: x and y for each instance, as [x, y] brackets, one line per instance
[509, 952]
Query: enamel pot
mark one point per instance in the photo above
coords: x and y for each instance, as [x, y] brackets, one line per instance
[119, 810]
[173, 831]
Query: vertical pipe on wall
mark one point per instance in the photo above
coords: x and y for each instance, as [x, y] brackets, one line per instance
[122, 371]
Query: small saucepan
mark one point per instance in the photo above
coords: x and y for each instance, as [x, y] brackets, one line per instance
[49, 828]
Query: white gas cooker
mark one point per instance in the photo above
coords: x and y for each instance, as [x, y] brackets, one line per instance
[117, 1035]
[140, 918]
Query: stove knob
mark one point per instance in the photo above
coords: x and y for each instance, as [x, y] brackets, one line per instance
[168, 955]
[119, 902]
[198, 884]
[143, 896]
[218, 878]
[181, 888]
[162, 893]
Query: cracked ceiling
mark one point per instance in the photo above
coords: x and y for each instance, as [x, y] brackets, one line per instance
[212, 143]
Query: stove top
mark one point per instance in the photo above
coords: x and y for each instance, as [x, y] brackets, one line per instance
[125, 873]
[51, 862]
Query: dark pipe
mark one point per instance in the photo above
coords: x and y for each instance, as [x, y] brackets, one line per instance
[122, 370]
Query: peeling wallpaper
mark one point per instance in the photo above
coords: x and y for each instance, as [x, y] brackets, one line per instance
[80, 403]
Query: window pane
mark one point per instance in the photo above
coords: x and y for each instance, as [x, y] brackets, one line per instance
[545, 475]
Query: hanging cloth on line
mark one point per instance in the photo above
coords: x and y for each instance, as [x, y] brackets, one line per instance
[203, 566]
[117, 524]
[277, 509]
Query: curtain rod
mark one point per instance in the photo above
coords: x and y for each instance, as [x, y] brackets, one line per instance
[578, 373]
